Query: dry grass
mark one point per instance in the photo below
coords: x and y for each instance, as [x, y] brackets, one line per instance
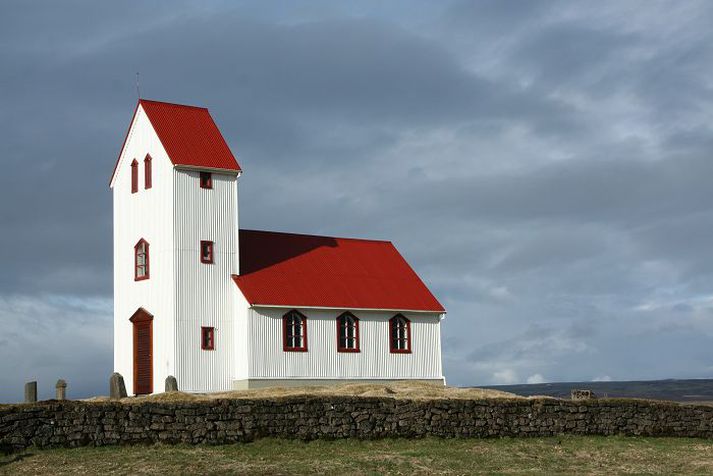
[565, 455]
[410, 390]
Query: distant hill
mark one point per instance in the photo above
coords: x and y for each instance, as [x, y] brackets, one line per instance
[693, 390]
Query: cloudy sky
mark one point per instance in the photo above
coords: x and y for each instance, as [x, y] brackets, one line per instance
[546, 167]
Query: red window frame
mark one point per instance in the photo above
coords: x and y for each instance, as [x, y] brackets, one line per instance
[147, 268]
[394, 339]
[134, 176]
[147, 172]
[286, 336]
[342, 326]
[209, 257]
[207, 338]
[206, 180]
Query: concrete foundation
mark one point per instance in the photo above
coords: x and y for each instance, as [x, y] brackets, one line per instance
[247, 384]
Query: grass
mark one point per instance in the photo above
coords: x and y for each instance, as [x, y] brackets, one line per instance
[564, 455]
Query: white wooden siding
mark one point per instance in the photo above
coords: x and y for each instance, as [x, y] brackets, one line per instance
[322, 361]
[205, 293]
[146, 214]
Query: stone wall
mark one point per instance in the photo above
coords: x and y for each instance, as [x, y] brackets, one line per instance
[67, 423]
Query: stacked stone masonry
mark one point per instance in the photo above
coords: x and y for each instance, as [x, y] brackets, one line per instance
[67, 423]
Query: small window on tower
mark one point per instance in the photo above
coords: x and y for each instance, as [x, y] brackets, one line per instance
[207, 252]
[141, 260]
[134, 176]
[208, 338]
[147, 172]
[206, 180]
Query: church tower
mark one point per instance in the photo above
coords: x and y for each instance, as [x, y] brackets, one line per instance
[175, 248]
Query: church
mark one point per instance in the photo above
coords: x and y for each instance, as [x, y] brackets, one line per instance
[223, 308]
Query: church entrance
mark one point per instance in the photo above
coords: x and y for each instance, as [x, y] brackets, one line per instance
[143, 350]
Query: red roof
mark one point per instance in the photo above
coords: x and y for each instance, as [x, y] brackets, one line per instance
[285, 269]
[189, 135]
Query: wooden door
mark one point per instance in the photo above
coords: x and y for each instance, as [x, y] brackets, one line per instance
[143, 352]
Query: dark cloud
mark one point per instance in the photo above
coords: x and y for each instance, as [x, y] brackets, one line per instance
[544, 166]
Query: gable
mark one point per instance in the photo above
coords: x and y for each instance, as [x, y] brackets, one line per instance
[188, 134]
[283, 269]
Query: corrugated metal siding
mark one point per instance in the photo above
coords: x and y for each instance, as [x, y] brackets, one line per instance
[146, 214]
[205, 293]
[268, 360]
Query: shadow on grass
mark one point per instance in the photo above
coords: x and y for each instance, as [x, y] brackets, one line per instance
[15, 459]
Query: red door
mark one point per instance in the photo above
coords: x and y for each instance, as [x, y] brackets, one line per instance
[143, 350]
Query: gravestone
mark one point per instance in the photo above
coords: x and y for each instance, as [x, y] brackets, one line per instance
[30, 392]
[117, 389]
[171, 384]
[577, 394]
[61, 390]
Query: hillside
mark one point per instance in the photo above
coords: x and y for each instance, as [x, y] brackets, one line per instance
[692, 390]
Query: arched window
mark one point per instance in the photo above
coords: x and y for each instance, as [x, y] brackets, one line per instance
[347, 333]
[141, 260]
[147, 172]
[134, 176]
[400, 335]
[294, 332]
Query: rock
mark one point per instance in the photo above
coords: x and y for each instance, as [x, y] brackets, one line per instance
[171, 384]
[117, 389]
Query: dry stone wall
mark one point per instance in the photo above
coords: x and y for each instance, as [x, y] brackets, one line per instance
[67, 423]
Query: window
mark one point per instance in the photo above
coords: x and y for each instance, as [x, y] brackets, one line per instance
[294, 332]
[206, 180]
[141, 260]
[207, 252]
[147, 172]
[134, 176]
[400, 335]
[208, 338]
[347, 333]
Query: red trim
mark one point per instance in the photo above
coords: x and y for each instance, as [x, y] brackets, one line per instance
[211, 339]
[210, 259]
[392, 339]
[147, 172]
[136, 261]
[134, 176]
[356, 334]
[287, 348]
[142, 317]
[206, 180]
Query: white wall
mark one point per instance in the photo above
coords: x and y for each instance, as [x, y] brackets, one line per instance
[146, 214]
[268, 360]
[205, 293]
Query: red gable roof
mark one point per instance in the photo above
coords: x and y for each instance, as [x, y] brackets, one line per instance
[284, 269]
[189, 135]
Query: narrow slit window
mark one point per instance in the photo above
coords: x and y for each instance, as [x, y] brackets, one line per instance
[208, 338]
[207, 252]
[400, 335]
[294, 332]
[347, 333]
[141, 260]
[206, 179]
[134, 176]
[147, 172]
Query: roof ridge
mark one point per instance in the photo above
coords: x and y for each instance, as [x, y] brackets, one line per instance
[317, 236]
[173, 104]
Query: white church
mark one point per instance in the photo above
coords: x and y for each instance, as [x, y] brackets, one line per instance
[222, 308]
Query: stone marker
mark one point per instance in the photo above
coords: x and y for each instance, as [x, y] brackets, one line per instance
[582, 394]
[171, 384]
[117, 389]
[30, 392]
[61, 390]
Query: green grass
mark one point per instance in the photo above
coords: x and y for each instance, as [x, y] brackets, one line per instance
[565, 455]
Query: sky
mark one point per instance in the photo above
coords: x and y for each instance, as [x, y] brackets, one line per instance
[545, 167]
